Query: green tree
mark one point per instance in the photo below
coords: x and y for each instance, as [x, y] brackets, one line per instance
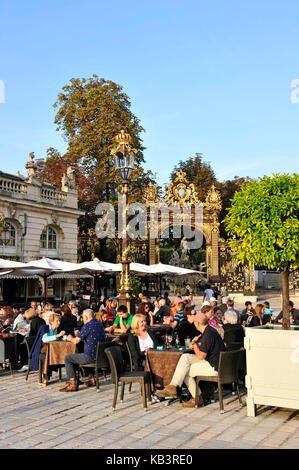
[90, 113]
[263, 223]
[197, 172]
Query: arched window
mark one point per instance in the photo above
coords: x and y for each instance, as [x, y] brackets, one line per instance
[8, 238]
[11, 234]
[49, 239]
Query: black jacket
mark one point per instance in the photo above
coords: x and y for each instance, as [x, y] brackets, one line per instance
[185, 330]
[36, 322]
[137, 356]
[233, 333]
[67, 324]
[163, 311]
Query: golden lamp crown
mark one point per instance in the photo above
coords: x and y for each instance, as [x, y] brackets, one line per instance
[123, 138]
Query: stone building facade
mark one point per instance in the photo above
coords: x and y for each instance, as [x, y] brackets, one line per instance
[39, 218]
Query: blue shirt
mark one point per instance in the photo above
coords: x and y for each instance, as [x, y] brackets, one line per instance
[92, 333]
[50, 335]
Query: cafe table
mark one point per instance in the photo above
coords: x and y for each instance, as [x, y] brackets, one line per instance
[55, 352]
[161, 363]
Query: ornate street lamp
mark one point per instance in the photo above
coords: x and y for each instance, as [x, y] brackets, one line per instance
[124, 156]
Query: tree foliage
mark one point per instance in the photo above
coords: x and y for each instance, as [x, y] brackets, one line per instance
[263, 219]
[264, 226]
[90, 113]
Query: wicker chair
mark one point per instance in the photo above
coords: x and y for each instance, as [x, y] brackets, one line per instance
[227, 374]
[119, 374]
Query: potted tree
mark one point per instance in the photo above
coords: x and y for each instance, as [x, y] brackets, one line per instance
[263, 225]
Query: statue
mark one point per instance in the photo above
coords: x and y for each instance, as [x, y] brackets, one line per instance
[175, 258]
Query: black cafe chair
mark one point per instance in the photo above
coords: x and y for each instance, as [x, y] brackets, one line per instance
[120, 375]
[101, 362]
[6, 352]
[228, 369]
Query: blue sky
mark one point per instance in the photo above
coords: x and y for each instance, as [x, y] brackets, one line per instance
[211, 77]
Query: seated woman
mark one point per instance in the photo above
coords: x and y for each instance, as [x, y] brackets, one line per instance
[218, 315]
[233, 331]
[46, 334]
[6, 318]
[255, 319]
[209, 313]
[186, 328]
[145, 309]
[122, 322]
[111, 310]
[102, 317]
[52, 333]
[140, 341]
[68, 321]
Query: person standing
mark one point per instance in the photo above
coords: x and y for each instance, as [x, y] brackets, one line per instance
[208, 293]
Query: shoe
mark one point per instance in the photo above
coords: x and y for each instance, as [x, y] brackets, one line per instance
[169, 391]
[23, 369]
[189, 404]
[90, 383]
[71, 387]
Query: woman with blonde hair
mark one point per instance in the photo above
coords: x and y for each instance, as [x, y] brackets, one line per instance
[140, 340]
[255, 319]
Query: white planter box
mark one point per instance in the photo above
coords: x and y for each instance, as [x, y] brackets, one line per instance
[272, 356]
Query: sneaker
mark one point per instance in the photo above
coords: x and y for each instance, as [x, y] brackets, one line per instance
[23, 369]
[169, 391]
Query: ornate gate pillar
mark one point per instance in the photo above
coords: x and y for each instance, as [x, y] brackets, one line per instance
[212, 208]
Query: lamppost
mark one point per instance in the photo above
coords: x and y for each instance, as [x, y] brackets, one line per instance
[124, 156]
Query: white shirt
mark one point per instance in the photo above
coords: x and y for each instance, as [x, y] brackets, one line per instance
[145, 343]
[209, 293]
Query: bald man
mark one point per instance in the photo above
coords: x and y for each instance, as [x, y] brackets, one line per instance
[92, 333]
[203, 362]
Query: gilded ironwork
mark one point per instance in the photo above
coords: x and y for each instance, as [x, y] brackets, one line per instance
[181, 192]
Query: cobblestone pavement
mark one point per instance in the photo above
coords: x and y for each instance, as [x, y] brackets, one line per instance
[37, 417]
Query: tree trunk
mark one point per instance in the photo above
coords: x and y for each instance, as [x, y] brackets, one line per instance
[285, 300]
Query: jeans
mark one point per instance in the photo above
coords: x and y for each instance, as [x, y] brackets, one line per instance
[74, 360]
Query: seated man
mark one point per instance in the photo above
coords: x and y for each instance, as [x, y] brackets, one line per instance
[92, 332]
[122, 322]
[204, 362]
[230, 308]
